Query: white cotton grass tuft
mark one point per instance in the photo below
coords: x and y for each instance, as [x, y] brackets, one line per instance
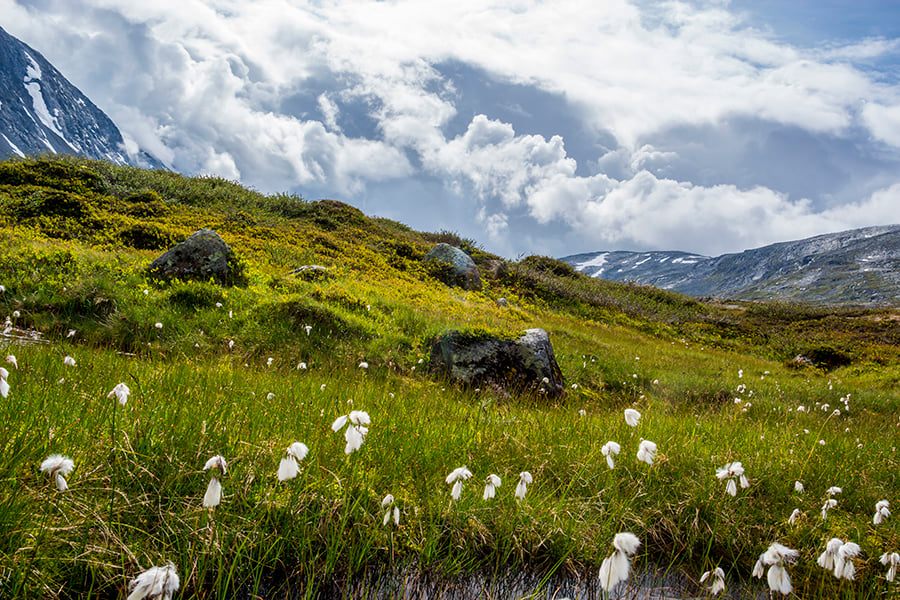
[156, 583]
[390, 510]
[833, 490]
[826, 559]
[717, 585]
[646, 451]
[4, 385]
[609, 450]
[58, 466]
[288, 467]
[456, 477]
[890, 560]
[843, 565]
[775, 558]
[491, 483]
[616, 567]
[11, 359]
[794, 516]
[357, 423]
[525, 479]
[632, 417]
[882, 512]
[829, 504]
[69, 361]
[731, 471]
[213, 495]
[121, 392]
[798, 486]
[158, 325]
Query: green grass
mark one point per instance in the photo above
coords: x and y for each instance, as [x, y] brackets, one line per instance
[135, 496]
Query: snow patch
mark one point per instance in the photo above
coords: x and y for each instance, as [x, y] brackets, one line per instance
[639, 263]
[685, 261]
[32, 70]
[597, 261]
[14, 147]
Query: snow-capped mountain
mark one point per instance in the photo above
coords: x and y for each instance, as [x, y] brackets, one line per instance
[41, 112]
[860, 266]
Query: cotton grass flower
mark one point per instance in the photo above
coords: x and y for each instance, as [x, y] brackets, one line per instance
[490, 486]
[646, 451]
[829, 504]
[718, 580]
[632, 417]
[833, 490]
[794, 516]
[731, 471]
[826, 559]
[357, 427]
[843, 566]
[158, 325]
[213, 495]
[616, 567]
[364, 365]
[156, 583]
[4, 385]
[775, 558]
[390, 510]
[456, 477]
[892, 559]
[525, 479]
[288, 467]
[69, 361]
[882, 512]
[121, 392]
[11, 359]
[58, 466]
[609, 450]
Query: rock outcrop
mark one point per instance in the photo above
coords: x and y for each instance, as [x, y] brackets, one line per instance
[202, 256]
[453, 267]
[526, 363]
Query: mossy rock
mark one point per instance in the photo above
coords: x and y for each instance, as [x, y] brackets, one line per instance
[452, 266]
[526, 363]
[204, 255]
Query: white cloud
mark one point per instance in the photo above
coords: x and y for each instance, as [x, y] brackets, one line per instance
[202, 86]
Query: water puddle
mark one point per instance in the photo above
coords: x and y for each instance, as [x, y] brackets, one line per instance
[649, 584]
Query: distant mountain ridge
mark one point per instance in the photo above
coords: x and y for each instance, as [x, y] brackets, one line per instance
[42, 112]
[860, 266]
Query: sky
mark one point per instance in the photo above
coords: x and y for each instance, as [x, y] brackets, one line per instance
[532, 127]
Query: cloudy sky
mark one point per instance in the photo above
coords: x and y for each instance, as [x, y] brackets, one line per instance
[533, 127]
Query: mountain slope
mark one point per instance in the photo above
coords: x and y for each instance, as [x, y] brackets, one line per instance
[859, 266]
[41, 112]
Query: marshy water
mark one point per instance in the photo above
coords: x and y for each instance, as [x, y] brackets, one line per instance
[412, 584]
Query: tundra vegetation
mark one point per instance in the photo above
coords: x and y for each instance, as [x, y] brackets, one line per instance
[243, 372]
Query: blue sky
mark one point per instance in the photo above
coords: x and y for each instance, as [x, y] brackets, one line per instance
[533, 127]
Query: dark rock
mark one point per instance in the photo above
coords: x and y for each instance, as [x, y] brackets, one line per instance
[502, 302]
[202, 256]
[526, 363]
[453, 267]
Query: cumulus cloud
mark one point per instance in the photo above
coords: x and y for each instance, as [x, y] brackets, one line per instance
[343, 97]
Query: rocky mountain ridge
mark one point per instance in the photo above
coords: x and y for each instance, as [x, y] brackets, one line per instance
[42, 112]
[860, 266]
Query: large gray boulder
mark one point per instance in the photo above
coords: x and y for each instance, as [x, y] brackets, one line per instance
[454, 267]
[202, 256]
[523, 364]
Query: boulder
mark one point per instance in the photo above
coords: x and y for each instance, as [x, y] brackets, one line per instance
[453, 267]
[310, 272]
[526, 363]
[202, 256]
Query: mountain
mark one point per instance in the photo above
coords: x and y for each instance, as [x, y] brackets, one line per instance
[41, 112]
[860, 266]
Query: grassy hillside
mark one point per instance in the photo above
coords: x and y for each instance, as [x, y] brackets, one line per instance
[219, 375]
